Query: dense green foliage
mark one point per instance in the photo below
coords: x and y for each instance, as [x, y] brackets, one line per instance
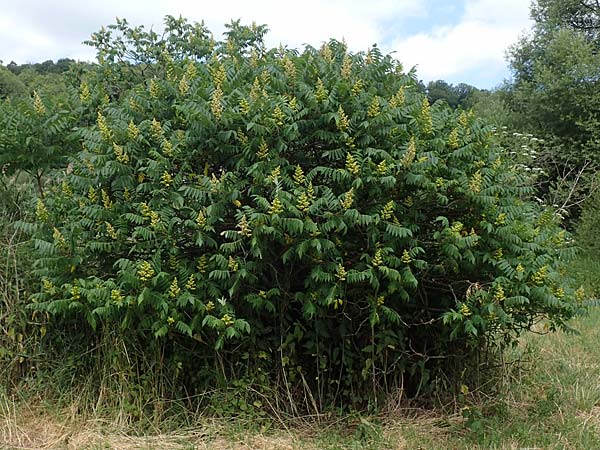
[305, 218]
[555, 95]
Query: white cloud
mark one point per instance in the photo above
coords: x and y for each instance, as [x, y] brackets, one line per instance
[477, 43]
[67, 23]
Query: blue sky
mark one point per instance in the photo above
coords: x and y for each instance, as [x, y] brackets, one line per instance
[454, 40]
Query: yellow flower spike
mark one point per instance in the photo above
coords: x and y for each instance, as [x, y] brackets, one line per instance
[132, 131]
[244, 106]
[174, 289]
[244, 227]
[141, 177]
[406, 259]
[170, 320]
[293, 104]
[499, 294]
[58, 237]
[154, 89]
[92, 195]
[387, 211]
[145, 271]
[173, 262]
[257, 91]
[501, 219]
[84, 92]
[275, 174]
[265, 77]
[343, 122]
[41, 212]
[352, 165]
[463, 120]
[321, 92]
[241, 138]
[110, 230]
[310, 191]
[346, 70]
[276, 207]
[191, 71]
[540, 276]
[120, 154]
[409, 201]
[453, 142]
[326, 53]
[289, 68]
[299, 175]
[105, 132]
[154, 218]
[190, 285]
[476, 182]
[166, 179]
[378, 258]
[374, 108]
[38, 104]
[498, 253]
[202, 264]
[580, 293]
[48, 286]
[410, 154]
[115, 296]
[380, 300]
[465, 310]
[227, 320]
[216, 106]
[337, 303]
[156, 130]
[263, 149]
[201, 220]
[232, 264]
[303, 202]
[278, 116]
[398, 99]
[426, 117]
[75, 293]
[184, 86]
[167, 149]
[341, 273]
[348, 199]
[210, 306]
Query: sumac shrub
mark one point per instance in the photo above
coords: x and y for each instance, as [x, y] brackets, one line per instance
[307, 216]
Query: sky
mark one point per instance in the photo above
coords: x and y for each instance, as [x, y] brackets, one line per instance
[453, 40]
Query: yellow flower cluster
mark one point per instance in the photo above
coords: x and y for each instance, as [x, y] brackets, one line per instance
[263, 149]
[166, 179]
[105, 132]
[75, 293]
[499, 294]
[463, 119]
[411, 152]
[501, 219]
[84, 92]
[257, 91]
[241, 137]
[148, 213]
[398, 98]
[167, 148]
[476, 182]
[190, 285]
[520, 269]
[465, 310]
[115, 296]
[352, 165]
[38, 104]
[378, 258]
[210, 306]
[233, 265]
[278, 116]
[106, 201]
[202, 264]
[275, 174]
[539, 276]
[48, 286]
[379, 301]
[498, 253]
[156, 130]
[321, 92]
[341, 273]
[145, 271]
[216, 106]
[426, 117]
[559, 292]
[174, 289]
[244, 227]
[120, 154]
[382, 167]
[343, 122]
[201, 220]
[184, 85]
[348, 199]
[59, 239]
[303, 202]
[326, 53]
[346, 70]
[406, 259]
[409, 201]
[337, 303]
[41, 212]
[289, 68]
[227, 320]
[580, 293]
[453, 142]
[374, 108]
[299, 175]
[154, 89]
[276, 207]
[110, 230]
[387, 210]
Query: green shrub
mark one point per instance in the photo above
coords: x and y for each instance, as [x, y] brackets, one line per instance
[307, 216]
